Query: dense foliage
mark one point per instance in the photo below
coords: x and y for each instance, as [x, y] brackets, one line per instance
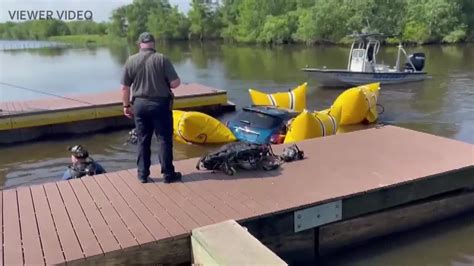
[42, 29]
[273, 21]
[312, 21]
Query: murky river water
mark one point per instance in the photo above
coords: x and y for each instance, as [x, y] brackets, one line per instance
[442, 105]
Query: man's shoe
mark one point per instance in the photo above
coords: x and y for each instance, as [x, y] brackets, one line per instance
[143, 180]
[172, 178]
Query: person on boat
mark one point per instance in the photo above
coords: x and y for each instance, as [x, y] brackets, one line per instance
[81, 164]
[153, 76]
[370, 54]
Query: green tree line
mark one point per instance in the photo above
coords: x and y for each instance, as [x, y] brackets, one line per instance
[307, 21]
[42, 29]
[271, 21]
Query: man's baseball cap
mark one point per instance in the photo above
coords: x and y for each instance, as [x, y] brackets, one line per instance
[146, 37]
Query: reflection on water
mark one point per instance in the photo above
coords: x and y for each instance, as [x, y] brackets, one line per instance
[441, 105]
[44, 51]
[22, 45]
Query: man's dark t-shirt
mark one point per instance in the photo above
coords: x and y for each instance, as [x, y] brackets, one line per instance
[154, 78]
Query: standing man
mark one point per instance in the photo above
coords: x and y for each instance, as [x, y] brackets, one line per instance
[152, 76]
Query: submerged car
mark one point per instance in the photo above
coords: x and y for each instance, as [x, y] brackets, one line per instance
[261, 124]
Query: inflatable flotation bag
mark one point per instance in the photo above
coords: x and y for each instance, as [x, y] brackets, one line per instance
[294, 99]
[358, 104]
[177, 114]
[199, 128]
[312, 125]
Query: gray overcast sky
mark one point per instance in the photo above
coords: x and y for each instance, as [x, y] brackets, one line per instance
[101, 9]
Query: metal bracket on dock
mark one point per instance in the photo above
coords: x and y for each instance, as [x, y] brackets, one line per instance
[317, 215]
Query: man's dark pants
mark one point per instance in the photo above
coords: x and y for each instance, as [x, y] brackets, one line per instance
[154, 116]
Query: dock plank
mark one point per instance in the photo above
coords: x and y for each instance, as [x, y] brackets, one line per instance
[99, 226]
[46, 117]
[182, 217]
[230, 195]
[32, 249]
[11, 107]
[6, 106]
[67, 236]
[195, 200]
[81, 225]
[117, 225]
[50, 241]
[153, 225]
[266, 188]
[158, 210]
[133, 223]
[238, 188]
[32, 106]
[127, 220]
[197, 215]
[212, 199]
[186, 91]
[257, 186]
[13, 253]
[18, 107]
[3, 107]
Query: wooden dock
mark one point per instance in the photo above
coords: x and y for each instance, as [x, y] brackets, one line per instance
[29, 120]
[114, 219]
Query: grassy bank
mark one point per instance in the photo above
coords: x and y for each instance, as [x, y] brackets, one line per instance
[100, 40]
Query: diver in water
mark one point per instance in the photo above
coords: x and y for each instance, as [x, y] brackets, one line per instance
[82, 164]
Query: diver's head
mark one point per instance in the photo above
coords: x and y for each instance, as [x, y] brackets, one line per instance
[78, 153]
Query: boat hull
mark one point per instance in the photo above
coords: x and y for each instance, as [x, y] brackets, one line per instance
[344, 78]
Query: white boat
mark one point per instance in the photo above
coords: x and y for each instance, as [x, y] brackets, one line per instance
[362, 67]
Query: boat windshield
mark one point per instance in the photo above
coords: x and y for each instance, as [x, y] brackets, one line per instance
[358, 53]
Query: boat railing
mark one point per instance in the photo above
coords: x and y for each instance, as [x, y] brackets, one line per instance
[365, 41]
[350, 56]
[401, 50]
[376, 51]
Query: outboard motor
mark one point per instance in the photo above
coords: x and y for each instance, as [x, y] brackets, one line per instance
[418, 61]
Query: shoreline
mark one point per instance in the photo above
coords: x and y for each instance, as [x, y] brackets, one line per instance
[107, 40]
